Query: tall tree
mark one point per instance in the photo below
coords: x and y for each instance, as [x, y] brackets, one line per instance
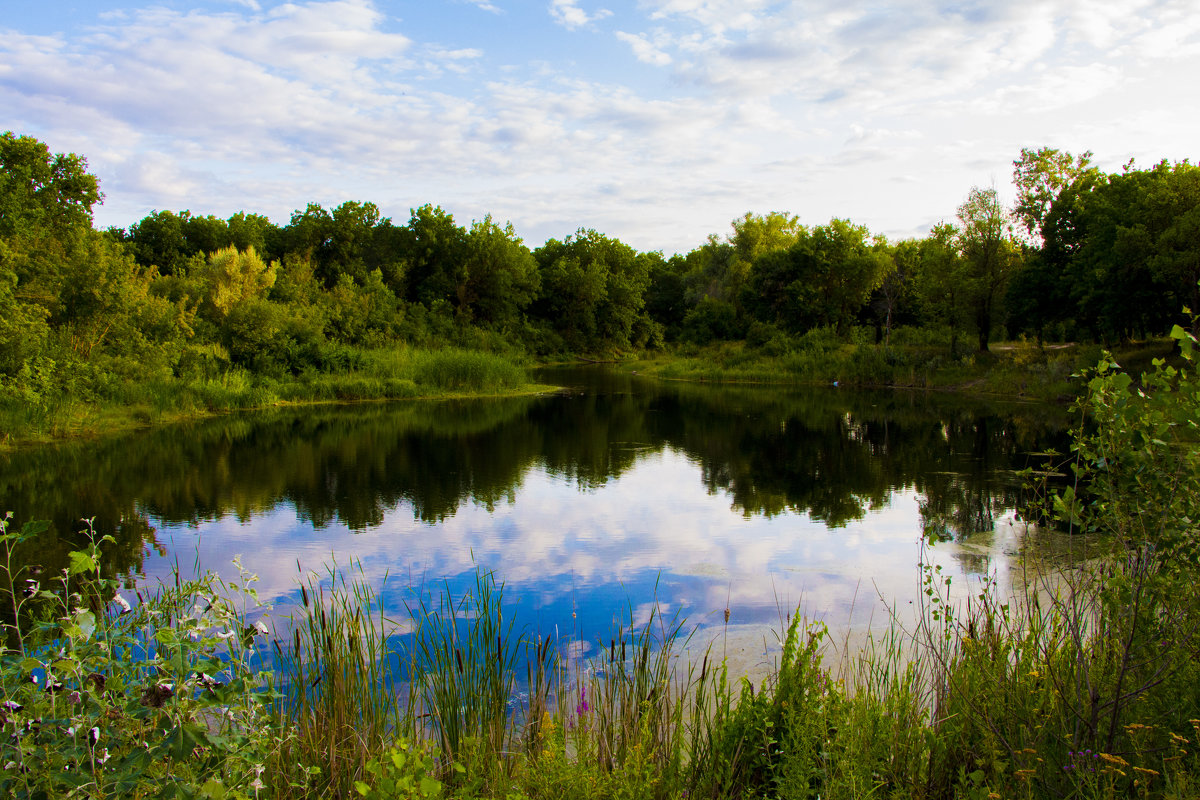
[941, 281]
[501, 277]
[592, 290]
[1039, 176]
[43, 193]
[990, 255]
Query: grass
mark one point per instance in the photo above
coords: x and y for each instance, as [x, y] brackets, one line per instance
[1012, 369]
[374, 375]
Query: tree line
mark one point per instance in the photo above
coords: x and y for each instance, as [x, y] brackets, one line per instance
[1082, 254]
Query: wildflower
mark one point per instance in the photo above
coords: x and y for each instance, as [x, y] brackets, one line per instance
[208, 681]
[123, 603]
[582, 707]
[261, 627]
[94, 736]
[73, 698]
[1116, 760]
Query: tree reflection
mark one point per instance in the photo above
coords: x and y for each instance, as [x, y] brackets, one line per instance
[831, 454]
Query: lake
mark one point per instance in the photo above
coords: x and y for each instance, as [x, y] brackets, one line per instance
[593, 505]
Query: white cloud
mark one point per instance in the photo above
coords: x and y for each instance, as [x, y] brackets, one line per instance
[644, 50]
[568, 14]
[484, 5]
[718, 106]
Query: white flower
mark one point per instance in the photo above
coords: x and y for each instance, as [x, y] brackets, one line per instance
[123, 603]
[261, 628]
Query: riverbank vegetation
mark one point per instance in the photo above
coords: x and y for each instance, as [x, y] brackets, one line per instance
[1086, 688]
[182, 313]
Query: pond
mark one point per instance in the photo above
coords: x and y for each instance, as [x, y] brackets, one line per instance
[593, 505]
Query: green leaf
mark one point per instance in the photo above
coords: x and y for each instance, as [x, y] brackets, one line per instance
[86, 621]
[166, 636]
[81, 563]
[213, 789]
[362, 788]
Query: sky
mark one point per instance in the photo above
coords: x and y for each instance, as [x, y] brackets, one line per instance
[654, 121]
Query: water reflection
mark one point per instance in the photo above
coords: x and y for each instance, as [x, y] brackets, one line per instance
[603, 499]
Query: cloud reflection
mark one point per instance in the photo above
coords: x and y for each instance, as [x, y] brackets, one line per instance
[652, 535]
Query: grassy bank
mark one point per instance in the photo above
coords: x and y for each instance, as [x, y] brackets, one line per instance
[1011, 369]
[384, 374]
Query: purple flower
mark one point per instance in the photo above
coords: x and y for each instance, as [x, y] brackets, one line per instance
[582, 708]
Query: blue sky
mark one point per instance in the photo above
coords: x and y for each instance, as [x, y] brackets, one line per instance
[656, 121]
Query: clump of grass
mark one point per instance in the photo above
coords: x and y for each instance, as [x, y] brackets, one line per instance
[464, 665]
[342, 702]
[465, 370]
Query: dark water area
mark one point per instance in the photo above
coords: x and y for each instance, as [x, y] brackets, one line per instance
[611, 498]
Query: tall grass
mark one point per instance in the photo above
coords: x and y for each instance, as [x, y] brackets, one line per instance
[342, 700]
[464, 667]
[465, 370]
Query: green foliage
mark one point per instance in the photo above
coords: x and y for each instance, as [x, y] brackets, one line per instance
[106, 698]
[233, 277]
[823, 278]
[1040, 176]
[404, 772]
[43, 194]
[592, 290]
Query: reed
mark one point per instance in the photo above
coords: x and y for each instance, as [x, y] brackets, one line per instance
[342, 701]
[464, 659]
[464, 370]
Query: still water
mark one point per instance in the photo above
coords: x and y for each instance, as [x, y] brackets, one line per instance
[593, 505]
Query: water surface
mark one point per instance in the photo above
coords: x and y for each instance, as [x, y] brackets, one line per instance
[598, 503]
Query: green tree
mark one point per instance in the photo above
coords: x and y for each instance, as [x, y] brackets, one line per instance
[338, 243]
[1039, 177]
[823, 278]
[43, 194]
[232, 277]
[941, 281]
[436, 263]
[501, 276]
[990, 255]
[592, 290]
